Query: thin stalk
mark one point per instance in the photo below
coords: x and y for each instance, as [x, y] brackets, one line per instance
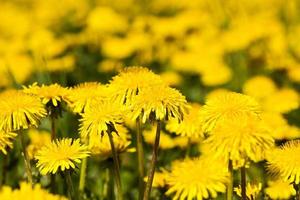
[298, 192]
[82, 175]
[243, 183]
[53, 137]
[140, 154]
[4, 170]
[189, 148]
[26, 158]
[70, 185]
[230, 184]
[53, 127]
[153, 163]
[116, 166]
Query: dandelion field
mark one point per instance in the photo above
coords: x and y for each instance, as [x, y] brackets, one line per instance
[149, 99]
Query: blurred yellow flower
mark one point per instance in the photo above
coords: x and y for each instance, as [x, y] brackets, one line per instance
[190, 126]
[19, 110]
[28, 192]
[38, 138]
[198, 178]
[106, 20]
[6, 140]
[282, 101]
[167, 103]
[280, 189]
[159, 180]
[228, 107]
[60, 155]
[171, 78]
[259, 87]
[252, 190]
[166, 141]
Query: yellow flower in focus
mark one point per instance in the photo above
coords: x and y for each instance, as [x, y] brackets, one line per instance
[28, 192]
[190, 126]
[53, 94]
[159, 103]
[239, 141]
[60, 155]
[38, 138]
[6, 140]
[280, 189]
[100, 118]
[100, 145]
[83, 95]
[171, 78]
[282, 101]
[19, 110]
[166, 141]
[252, 190]
[131, 81]
[285, 162]
[216, 92]
[199, 179]
[227, 107]
[259, 87]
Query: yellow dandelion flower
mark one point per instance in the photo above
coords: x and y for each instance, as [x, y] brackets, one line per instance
[38, 138]
[131, 81]
[280, 189]
[159, 180]
[240, 141]
[190, 126]
[285, 162]
[197, 179]
[28, 192]
[100, 118]
[60, 154]
[259, 87]
[252, 190]
[282, 101]
[100, 145]
[53, 93]
[81, 96]
[171, 78]
[167, 103]
[215, 93]
[6, 140]
[19, 110]
[166, 141]
[229, 106]
[184, 142]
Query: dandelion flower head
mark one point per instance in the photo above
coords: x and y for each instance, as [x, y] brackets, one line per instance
[159, 103]
[20, 110]
[60, 155]
[198, 178]
[228, 106]
[280, 189]
[6, 140]
[285, 162]
[252, 190]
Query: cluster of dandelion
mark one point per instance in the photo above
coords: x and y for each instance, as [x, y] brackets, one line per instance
[219, 118]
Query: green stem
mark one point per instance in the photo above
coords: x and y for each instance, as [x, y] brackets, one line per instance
[70, 185]
[53, 127]
[140, 154]
[298, 191]
[82, 175]
[116, 166]
[243, 183]
[26, 158]
[189, 148]
[4, 170]
[230, 184]
[153, 163]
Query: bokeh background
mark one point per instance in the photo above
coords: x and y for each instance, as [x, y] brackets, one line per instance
[197, 46]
